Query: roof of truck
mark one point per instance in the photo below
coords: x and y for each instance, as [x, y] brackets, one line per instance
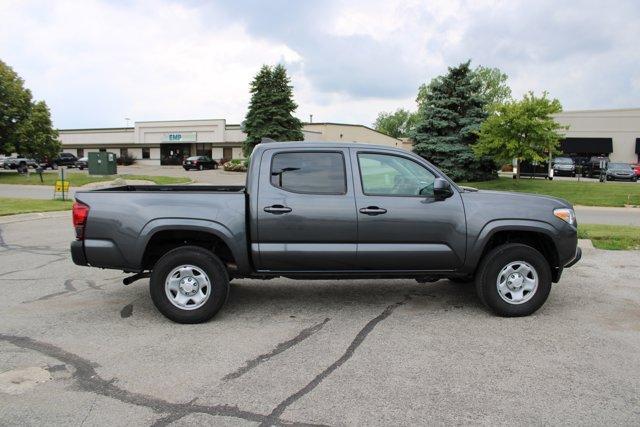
[324, 144]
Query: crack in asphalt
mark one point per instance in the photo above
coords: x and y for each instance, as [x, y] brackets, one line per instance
[279, 348]
[89, 380]
[68, 289]
[349, 352]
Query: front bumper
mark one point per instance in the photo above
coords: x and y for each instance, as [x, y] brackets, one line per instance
[575, 259]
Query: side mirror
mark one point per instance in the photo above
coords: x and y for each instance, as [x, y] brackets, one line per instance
[442, 189]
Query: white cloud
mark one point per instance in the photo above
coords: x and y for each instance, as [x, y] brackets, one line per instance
[96, 61]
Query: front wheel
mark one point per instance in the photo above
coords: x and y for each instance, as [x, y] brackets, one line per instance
[513, 280]
[189, 285]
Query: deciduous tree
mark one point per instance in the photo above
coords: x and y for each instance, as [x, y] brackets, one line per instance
[398, 124]
[521, 130]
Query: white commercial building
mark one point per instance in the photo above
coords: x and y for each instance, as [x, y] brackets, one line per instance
[612, 133]
[168, 142]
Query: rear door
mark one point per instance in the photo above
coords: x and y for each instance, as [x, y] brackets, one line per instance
[306, 211]
[401, 225]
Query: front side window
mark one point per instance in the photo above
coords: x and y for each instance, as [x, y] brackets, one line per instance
[389, 175]
[309, 172]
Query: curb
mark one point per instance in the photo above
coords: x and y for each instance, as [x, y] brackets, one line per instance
[8, 219]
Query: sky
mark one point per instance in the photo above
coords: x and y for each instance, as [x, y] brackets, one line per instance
[97, 63]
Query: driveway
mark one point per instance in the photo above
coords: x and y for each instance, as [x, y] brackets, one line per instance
[76, 346]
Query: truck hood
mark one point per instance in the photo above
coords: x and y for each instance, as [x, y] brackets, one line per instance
[492, 205]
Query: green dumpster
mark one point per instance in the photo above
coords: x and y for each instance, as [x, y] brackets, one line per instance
[102, 163]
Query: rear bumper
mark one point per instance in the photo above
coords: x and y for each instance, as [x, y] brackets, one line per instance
[575, 259]
[77, 253]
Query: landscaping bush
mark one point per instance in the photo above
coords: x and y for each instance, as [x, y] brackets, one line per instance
[126, 160]
[235, 165]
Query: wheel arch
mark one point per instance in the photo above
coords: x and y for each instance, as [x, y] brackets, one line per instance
[163, 235]
[537, 234]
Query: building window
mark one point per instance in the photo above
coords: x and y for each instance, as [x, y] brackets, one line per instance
[80, 152]
[124, 152]
[203, 150]
[227, 153]
[103, 150]
[146, 152]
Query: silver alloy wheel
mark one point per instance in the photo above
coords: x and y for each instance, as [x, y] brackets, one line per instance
[517, 282]
[188, 287]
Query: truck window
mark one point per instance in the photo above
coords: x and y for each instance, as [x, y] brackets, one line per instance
[309, 172]
[389, 175]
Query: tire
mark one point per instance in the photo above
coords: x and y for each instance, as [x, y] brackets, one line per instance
[201, 260]
[491, 269]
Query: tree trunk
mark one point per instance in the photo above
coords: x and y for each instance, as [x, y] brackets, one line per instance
[517, 169]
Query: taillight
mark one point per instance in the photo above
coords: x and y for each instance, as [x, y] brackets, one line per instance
[80, 212]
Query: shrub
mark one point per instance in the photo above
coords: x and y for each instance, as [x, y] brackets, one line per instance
[235, 165]
[126, 160]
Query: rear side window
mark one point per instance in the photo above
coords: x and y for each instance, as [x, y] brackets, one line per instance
[309, 172]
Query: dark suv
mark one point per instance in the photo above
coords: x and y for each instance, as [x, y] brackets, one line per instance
[594, 166]
[63, 159]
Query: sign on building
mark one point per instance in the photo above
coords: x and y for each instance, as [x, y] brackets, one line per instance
[179, 137]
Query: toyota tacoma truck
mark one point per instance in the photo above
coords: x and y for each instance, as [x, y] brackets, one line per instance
[321, 211]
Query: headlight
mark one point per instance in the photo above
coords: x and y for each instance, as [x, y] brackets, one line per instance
[567, 215]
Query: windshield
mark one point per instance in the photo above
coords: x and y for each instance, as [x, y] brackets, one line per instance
[193, 158]
[563, 161]
[619, 166]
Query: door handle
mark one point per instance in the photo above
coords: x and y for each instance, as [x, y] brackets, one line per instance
[373, 210]
[277, 209]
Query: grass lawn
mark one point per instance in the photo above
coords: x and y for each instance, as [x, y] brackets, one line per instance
[11, 206]
[80, 179]
[577, 193]
[621, 237]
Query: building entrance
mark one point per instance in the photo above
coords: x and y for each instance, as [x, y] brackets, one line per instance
[173, 154]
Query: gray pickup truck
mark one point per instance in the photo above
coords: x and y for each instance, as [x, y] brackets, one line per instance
[326, 210]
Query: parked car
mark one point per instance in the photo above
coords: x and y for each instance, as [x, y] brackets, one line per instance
[564, 166]
[19, 163]
[322, 210]
[82, 162]
[594, 167]
[199, 162]
[620, 171]
[63, 159]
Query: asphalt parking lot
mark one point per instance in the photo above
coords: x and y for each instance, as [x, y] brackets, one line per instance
[78, 347]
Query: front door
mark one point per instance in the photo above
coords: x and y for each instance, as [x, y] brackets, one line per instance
[306, 211]
[401, 225]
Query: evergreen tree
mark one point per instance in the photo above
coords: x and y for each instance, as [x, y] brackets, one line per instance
[448, 122]
[271, 109]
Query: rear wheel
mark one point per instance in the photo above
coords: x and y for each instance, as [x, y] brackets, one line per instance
[513, 280]
[189, 285]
